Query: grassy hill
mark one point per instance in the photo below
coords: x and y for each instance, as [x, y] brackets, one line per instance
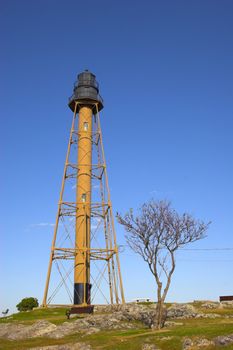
[169, 338]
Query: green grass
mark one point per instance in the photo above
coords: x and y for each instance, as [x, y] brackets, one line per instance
[54, 315]
[166, 339]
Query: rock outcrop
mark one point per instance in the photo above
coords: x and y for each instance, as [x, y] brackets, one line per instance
[199, 343]
[181, 311]
[14, 331]
[149, 347]
[92, 324]
[202, 343]
[224, 340]
[88, 325]
[185, 311]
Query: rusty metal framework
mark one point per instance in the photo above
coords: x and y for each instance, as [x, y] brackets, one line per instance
[105, 273]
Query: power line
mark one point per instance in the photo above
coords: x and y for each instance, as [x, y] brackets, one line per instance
[196, 249]
[211, 249]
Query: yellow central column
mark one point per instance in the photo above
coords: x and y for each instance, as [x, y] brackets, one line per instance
[83, 216]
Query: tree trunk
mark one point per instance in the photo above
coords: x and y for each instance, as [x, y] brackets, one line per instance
[158, 320]
[160, 315]
[161, 311]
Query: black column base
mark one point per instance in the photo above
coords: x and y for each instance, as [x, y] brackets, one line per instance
[79, 293]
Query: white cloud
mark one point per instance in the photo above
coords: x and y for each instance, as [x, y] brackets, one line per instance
[93, 227]
[42, 224]
[97, 219]
[155, 192]
[96, 186]
[161, 193]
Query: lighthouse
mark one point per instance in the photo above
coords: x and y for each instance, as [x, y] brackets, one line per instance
[92, 236]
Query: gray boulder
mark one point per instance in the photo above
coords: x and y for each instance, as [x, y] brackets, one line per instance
[210, 305]
[19, 331]
[224, 340]
[181, 311]
[149, 347]
[198, 343]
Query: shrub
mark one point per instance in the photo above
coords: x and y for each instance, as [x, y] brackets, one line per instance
[27, 304]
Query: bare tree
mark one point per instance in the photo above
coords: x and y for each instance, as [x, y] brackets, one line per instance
[156, 233]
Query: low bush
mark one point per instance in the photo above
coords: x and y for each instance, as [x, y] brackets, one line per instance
[27, 304]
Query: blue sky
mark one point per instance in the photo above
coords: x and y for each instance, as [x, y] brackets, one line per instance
[166, 75]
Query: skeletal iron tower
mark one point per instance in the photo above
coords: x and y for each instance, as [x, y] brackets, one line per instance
[84, 233]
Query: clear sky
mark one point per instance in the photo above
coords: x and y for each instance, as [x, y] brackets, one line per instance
[166, 75]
